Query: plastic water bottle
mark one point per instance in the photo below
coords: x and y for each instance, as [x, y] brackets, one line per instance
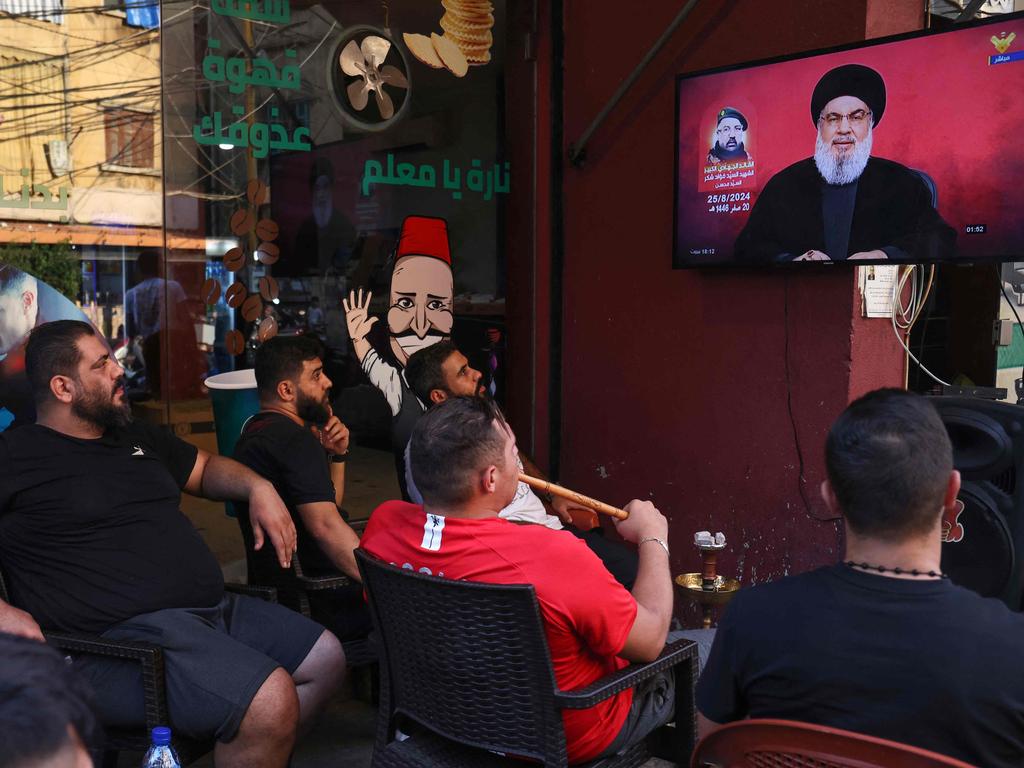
[161, 754]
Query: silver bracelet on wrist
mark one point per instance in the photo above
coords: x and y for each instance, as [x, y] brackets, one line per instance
[645, 539]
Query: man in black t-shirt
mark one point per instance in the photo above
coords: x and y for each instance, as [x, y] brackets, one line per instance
[883, 643]
[92, 540]
[299, 445]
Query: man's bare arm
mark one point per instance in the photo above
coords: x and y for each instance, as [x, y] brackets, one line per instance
[220, 478]
[338, 478]
[652, 589]
[15, 621]
[334, 437]
[333, 534]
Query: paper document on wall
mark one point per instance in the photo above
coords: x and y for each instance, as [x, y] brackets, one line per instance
[877, 282]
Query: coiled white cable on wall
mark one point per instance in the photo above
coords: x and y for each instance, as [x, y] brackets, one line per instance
[905, 315]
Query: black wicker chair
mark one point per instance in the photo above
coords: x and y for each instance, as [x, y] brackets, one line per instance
[293, 587]
[465, 670]
[151, 660]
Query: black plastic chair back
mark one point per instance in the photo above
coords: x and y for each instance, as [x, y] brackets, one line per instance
[262, 567]
[468, 661]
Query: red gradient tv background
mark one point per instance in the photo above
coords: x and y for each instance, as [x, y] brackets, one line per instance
[949, 113]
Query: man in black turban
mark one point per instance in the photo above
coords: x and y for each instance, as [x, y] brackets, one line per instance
[842, 203]
[730, 135]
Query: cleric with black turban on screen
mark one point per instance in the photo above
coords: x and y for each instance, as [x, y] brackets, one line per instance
[842, 203]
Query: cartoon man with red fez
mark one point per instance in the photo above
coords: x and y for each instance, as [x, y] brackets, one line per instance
[419, 314]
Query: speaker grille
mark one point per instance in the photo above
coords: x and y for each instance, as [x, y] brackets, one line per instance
[1005, 481]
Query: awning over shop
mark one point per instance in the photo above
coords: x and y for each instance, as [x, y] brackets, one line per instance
[81, 234]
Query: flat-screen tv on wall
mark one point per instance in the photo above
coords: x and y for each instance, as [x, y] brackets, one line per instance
[906, 149]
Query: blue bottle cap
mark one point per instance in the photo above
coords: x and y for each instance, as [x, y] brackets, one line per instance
[161, 735]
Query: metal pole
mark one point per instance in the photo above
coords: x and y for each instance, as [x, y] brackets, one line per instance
[578, 149]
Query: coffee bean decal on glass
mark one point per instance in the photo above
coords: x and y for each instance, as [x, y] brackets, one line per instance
[257, 236]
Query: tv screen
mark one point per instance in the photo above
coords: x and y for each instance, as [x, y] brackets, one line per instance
[906, 149]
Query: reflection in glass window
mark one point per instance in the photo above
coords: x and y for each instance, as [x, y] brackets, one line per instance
[129, 137]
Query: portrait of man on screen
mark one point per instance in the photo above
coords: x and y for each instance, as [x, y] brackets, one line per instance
[730, 138]
[843, 202]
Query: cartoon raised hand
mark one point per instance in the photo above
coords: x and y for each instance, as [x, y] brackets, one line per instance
[357, 310]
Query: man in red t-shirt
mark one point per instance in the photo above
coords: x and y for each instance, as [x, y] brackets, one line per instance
[464, 464]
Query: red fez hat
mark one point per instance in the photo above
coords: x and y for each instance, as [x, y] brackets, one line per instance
[424, 236]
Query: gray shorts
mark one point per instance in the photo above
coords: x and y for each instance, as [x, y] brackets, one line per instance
[654, 699]
[215, 660]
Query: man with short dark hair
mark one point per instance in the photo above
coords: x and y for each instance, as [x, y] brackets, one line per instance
[300, 446]
[440, 372]
[46, 716]
[883, 643]
[153, 309]
[92, 540]
[464, 461]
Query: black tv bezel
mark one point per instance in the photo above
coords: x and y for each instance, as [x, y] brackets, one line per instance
[804, 265]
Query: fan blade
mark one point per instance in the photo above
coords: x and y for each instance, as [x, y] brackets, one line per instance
[384, 104]
[393, 76]
[351, 59]
[375, 50]
[358, 94]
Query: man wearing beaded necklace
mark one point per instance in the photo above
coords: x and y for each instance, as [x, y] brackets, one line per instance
[882, 643]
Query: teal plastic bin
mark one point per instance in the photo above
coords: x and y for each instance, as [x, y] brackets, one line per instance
[234, 401]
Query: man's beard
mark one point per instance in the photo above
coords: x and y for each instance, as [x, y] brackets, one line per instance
[848, 166]
[99, 410]
[322, 210]
[311, 410]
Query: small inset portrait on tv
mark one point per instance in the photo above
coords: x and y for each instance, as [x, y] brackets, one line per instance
[730, 138]
[843, 203]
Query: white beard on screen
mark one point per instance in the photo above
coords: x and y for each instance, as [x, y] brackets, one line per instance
[844, 169]
[322, 210]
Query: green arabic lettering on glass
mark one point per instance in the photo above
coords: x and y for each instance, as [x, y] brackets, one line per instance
[487, 183]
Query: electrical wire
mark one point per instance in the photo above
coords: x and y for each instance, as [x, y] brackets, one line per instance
[905, 315]
[801, 483]
[1013, 308]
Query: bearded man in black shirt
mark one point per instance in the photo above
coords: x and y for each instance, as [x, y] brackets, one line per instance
[884, 643]
[300, 446]
[93, 540]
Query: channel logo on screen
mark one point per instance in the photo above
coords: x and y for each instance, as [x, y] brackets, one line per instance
[1002, 43]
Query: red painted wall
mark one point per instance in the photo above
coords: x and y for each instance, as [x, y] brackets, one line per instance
[700, 389]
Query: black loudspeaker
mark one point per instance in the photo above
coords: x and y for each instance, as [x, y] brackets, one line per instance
[983, 545]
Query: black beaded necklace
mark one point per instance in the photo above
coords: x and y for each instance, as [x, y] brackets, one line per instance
[897, 571]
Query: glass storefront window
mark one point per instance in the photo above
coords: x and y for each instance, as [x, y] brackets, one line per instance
[299, 140]
[80, 163]
[193, 201]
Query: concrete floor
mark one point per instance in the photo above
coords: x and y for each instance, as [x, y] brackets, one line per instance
[342, 738]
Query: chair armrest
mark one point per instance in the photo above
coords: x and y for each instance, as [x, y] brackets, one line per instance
[253, 590]
[313, 583]
[358, 525]
[599, 690]
[150, 657]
